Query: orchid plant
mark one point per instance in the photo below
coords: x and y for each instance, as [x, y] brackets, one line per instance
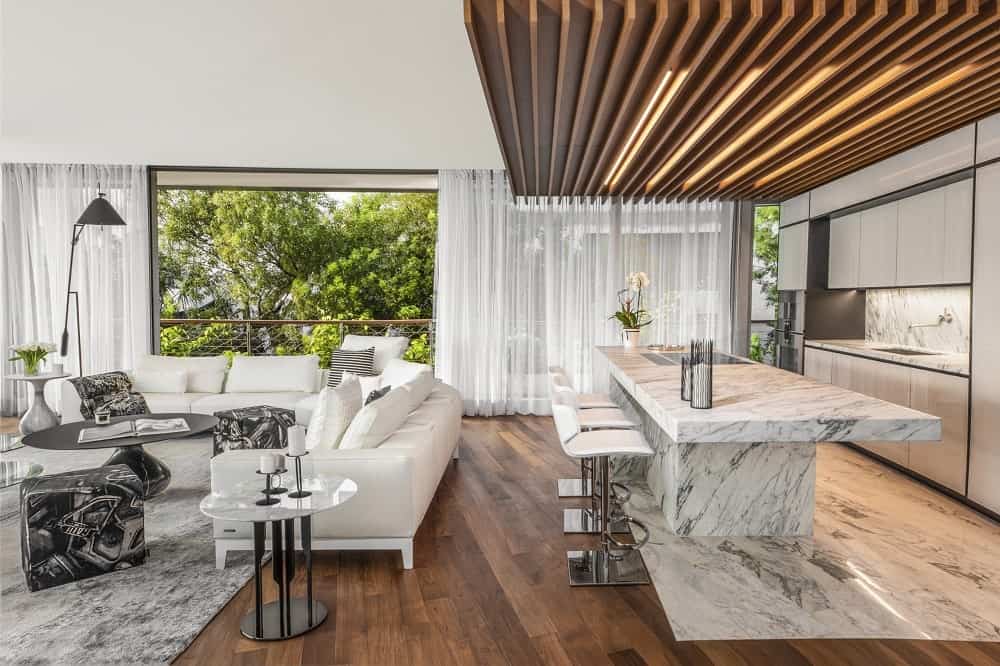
[631, 315]
[32, 354]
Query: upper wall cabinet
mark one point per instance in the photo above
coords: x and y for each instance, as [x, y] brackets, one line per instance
[794, 210]
[845, 250]
[935, 236]
[793, 256]
[877, 263]
[988, 139]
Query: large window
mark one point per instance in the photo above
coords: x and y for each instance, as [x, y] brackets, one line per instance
[280, 270]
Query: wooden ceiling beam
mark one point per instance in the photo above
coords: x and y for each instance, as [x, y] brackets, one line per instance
[696, 99]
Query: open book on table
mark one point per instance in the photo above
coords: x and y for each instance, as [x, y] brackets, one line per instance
[133, 428]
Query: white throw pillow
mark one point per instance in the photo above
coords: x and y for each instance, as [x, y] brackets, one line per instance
[159, 381]
[205, 374]
[335, 409]
[386, 349]
[417, 377]
[377, 420]
[270, 374]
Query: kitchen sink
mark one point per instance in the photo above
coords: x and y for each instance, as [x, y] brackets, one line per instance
[905, 351]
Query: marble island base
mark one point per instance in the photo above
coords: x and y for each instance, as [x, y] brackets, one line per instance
[724, 488]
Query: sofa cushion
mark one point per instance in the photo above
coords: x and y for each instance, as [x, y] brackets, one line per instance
[304, 408]
[159, 381]
[417, 377]
[205, 374]
[377, 420]
[252, 374]
[172, 402]
[110, 389]
[386, 348]
[335, 408]
[210, 404]
[360, 362]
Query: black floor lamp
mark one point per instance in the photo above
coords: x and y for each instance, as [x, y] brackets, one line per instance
[100, 213]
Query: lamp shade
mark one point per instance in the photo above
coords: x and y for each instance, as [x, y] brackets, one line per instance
[100, 213]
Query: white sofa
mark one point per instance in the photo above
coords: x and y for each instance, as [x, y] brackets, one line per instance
[254, 387]
[396, 483]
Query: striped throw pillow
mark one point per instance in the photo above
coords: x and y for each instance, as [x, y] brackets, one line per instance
[359, 362]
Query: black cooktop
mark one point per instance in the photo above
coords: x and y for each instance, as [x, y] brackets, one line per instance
[674, 358]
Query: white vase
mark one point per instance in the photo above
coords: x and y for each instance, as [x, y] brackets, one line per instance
[631, 338]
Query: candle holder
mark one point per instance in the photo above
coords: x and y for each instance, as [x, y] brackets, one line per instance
[298, 493]
[269, 491]
[685, 379]
[702, 355]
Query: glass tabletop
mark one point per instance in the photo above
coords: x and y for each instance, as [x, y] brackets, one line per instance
[10, 441]
[13, 472]
[240, 503]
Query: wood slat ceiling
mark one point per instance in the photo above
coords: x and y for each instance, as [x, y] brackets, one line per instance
[704, 99]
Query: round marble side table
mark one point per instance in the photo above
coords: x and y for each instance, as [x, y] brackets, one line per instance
[39, 415]
[288, 616]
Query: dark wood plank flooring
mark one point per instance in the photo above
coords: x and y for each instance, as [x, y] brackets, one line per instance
[489, 587]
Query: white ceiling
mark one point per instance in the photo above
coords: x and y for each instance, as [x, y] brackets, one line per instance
[371, 84]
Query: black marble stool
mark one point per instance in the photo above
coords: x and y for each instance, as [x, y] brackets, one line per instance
[259, 427]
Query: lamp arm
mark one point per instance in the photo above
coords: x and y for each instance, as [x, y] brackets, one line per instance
[64, 345]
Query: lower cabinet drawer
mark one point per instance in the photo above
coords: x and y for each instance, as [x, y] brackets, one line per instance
[947, 397]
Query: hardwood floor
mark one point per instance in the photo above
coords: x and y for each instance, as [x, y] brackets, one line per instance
[489, 587]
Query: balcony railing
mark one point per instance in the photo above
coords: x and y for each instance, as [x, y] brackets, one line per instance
[264, 337]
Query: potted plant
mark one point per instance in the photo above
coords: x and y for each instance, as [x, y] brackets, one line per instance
[32, 354]
[631, 315]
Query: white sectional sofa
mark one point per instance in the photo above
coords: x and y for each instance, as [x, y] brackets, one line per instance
[396, 483]
[291, 382]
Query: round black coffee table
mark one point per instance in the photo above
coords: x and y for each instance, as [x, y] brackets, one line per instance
[153, 473]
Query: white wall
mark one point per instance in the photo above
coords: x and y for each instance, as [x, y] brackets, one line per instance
[304, 83]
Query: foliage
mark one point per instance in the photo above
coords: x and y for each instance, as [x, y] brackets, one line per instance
[247, 254]
[765, 270]
[756, 351]
[630, 314]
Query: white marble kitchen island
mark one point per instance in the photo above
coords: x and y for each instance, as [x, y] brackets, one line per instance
[746, 467]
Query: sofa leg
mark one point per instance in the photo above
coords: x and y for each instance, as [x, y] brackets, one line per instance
[454, 453]
[407, 552]
[220, 554]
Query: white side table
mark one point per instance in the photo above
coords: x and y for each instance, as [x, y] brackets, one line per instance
[288, 616]
[39, 415]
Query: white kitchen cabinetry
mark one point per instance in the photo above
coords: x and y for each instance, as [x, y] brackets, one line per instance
[920, 260]
[818, 365]
[794, 210]
[958, 233]
[845, 251]
[947, 397]
[879, 232]
[984, 450]
[793, 256]
[879, 380]
[935, 236]
[988, 134]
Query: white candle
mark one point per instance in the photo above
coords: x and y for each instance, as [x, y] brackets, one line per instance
[279, 462]
[267, 463]
[296, 440]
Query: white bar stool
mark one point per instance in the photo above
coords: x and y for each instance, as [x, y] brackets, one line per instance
[579, 487]
[615, 562]
[580, 520]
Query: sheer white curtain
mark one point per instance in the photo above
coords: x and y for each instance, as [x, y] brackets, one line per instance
[40, 204]
[526, 283]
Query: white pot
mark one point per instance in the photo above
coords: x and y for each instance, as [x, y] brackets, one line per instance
[631, 338]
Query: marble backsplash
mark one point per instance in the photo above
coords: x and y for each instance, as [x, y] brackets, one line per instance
[889, 314]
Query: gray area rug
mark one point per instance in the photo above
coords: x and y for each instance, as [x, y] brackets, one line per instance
[144, 615]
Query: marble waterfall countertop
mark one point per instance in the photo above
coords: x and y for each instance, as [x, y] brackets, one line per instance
[947, 362]
[759, 403]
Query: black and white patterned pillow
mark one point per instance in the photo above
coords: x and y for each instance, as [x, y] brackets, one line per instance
[376, 394]
[359, 362]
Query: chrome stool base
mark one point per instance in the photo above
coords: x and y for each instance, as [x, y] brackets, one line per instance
[588, 521]
[574, 488]
[588, 568]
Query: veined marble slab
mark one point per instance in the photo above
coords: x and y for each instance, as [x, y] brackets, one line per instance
[889, 558]
[759, 403]
[951, 362]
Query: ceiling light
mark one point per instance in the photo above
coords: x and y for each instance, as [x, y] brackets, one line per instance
[831, 112]
[720, 108]
[786, 102]
[646, 122]
[854, 130]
